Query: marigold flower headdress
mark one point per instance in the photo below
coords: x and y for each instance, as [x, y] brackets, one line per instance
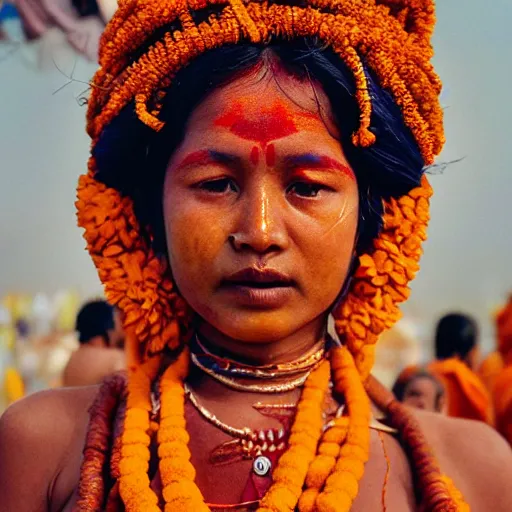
[392, 37]
[144, 46]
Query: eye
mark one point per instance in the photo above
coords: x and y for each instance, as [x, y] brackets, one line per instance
[305, 189]
[219, 186]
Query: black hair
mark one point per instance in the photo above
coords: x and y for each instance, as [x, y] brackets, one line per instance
[132, 158]
[400, 386]
[456, 336]
[95, 318]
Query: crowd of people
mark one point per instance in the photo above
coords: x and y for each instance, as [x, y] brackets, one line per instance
[458, 382]
[255, 205]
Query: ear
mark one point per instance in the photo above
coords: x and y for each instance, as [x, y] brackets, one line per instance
[415, 16]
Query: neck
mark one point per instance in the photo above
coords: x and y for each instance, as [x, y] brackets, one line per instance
[97, 341]
[264, 353]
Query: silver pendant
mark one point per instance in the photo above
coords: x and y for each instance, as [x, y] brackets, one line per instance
[261, 465]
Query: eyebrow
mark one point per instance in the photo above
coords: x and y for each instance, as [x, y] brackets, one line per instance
[315, 161]
[207, 157]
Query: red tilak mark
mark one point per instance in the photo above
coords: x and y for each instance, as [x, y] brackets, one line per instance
[255, 155]
[326, 162]
[309, 162]
[271, 155]
[196, 158]
[262, 127]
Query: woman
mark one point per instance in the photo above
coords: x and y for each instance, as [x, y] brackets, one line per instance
[260, 151]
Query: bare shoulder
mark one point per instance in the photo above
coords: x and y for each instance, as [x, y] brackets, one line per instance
[475, 456]
[118, 359]
[50, 412]
[36, 435]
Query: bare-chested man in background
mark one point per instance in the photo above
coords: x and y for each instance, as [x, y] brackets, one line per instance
[101, 340]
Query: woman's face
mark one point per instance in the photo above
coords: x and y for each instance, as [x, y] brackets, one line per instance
[261, 209]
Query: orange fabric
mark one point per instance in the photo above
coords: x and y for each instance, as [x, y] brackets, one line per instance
[504, 330]
[490, 368]
[503, 403]
[466, 393]
[502, 387]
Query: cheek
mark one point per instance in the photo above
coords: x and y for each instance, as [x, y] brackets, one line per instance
[329, 250]
[193, 242]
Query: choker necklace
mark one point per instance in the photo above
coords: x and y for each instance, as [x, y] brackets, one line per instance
[231, 368]
[235, 375]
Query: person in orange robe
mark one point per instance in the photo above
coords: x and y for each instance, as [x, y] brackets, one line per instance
[457, 355]
[502, 389]
[490, 368]
[494, 363]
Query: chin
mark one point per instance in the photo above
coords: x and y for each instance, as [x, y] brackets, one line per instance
[260, 327]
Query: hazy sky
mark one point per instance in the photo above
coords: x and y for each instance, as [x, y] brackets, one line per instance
[467, 258]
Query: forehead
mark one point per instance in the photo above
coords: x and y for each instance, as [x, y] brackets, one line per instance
[423, 384]
[267, 107]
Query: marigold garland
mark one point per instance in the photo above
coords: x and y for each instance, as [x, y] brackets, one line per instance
[460, 503]
[134, 484]
[392, 38]
[333, 476]
[290, 473]
[98, 440]
[180, 492]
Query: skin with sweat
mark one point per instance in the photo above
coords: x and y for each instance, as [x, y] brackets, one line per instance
[261, 212]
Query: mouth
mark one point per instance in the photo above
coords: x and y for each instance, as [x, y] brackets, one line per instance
[259, 288]
[256, 278]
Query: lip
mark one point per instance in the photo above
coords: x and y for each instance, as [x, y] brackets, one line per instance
[259, 288]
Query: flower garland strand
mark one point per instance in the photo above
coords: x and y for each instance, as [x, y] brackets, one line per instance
[91, 488]
[179, 489]
[342, 485]
[460, 503]
[380, 281]
[334, 475]
[134, 484]
[290, 473]
[113, 498]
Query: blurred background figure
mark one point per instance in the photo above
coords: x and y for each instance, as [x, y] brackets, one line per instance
[100, 352]
[398, 348]
[457, 356]
[14, 385]
[417, 387]
[77, 22]
[494, 363]
[502, 383]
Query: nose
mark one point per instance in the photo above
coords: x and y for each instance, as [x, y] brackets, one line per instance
[261, 227]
